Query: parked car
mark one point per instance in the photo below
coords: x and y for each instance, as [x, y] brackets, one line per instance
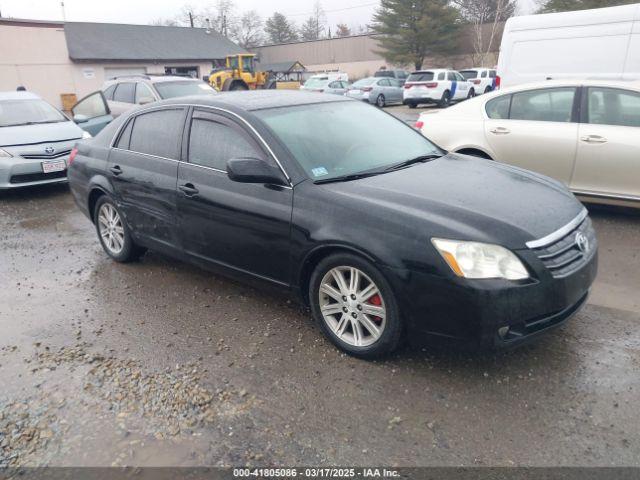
[584, 133]
[484, 80]
[337, 87]
[400, 75]
[599, 43]
[439, 86]
[123, 93]
[389, 235]
[379, 91]
[35, 141]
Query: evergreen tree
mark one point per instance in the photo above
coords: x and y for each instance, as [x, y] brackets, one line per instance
[568, 5]
[414, 29]
[279, 29]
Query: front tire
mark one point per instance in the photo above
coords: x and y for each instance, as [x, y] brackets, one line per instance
[113, 232]
[380, 101]
[355, 306]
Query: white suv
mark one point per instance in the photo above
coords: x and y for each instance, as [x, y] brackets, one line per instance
[484, 80]
[440, 86]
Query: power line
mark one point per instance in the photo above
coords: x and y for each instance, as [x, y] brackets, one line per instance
[336, 9]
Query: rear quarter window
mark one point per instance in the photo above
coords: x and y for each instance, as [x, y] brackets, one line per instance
[498, 108]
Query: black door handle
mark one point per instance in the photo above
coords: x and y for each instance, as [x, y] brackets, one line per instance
[116, 170]
[188, 189]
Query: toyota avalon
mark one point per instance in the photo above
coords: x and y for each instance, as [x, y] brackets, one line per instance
[378, 230]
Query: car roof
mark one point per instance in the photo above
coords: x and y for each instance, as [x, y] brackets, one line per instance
[434, 70]
[15, 95]
[150, 79]
[257, 99]
[633, 84]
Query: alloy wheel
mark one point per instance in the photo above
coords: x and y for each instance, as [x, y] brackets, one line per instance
[110, 228]
[352, 306]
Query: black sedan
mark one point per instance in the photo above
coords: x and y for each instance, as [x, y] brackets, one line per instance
[378, 230]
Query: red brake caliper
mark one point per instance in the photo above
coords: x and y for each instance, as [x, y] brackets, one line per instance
[377, 301]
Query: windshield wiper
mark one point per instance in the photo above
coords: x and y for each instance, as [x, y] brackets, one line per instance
[348, 178]
[31, 123]
[412, 161]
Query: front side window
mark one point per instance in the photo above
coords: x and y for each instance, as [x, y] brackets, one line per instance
[356, 138]
[451, 76]
[498, 108]
[158, 133]
[544, 105]
[213, 144]
[492, 74]
[108, 93]
[613, 106]
[28, 112]
[124, 93]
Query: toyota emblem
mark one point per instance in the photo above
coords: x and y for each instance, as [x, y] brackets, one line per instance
[582, 242]
[49, 150]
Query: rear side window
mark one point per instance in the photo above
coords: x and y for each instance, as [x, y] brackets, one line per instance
[612, 106]
[441, 76]
[498, 108]
[124, 93]
[545, 105]
[420, 77]
[213, 144]
[108, 93]
[384, 83]
[158, 133]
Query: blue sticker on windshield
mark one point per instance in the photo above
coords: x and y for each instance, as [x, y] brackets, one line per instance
[319, 171]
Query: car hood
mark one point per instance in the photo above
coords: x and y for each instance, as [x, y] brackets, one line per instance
[43, 133]
[467, 198]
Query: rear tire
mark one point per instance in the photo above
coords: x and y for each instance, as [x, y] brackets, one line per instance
[445, 100]
[487, 89]
[380, 101]
[471, 94]
[345, 310]
[412, 105]
[113, 232]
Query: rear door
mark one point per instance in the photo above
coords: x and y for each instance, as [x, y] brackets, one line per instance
[536, 130]
[92, 113]
[144, 169]
[244, 226]
[608, 160]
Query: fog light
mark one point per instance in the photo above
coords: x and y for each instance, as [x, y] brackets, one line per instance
[503, 331]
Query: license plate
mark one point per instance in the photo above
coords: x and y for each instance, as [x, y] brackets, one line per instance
[53, 166]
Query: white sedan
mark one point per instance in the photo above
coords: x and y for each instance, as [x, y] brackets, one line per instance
[583, 133]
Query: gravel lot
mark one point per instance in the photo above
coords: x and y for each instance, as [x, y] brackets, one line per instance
[160, 363]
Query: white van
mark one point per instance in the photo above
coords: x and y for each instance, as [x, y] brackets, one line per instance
[601, 43]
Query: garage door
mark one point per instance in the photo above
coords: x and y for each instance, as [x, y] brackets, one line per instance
[121, 71]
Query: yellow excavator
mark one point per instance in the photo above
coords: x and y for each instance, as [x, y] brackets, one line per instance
[241, 73]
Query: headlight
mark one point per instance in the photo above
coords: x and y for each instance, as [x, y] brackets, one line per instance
[86, 135]
[480, 260]
[4, 154]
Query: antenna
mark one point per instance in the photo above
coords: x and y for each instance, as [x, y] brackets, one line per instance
[64, 16]
[208, 26]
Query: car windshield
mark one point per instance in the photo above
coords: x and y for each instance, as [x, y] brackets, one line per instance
[183, 89]
[420, 77]
[469, 74]
[28, 112]
[315, 82]
[365, 82]
[335, 139]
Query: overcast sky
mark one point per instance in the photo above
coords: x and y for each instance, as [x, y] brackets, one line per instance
[351, 12]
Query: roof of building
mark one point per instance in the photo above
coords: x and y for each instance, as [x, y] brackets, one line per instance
[289, 66]
[111, 41]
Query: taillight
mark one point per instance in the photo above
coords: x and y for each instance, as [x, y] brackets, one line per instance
[432, 85]
[476, 81]
[419, 124]
[407, 86]
[366, 89]
[72, 155]
[497, 81]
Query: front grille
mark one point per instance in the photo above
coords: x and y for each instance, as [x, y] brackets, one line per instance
[44, 156]
[563, 257]
[36, 177]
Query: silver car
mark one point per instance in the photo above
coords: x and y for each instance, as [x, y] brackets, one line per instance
[35, 141]
[336, 87]
[377, 90]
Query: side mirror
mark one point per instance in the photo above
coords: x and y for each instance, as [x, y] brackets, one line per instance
[254, 170]
[79, 118]
[145, 100]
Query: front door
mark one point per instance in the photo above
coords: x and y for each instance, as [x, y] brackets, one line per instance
[535, 129]
[239, 225]
[144, 170]
[608, 161]
[92, 113]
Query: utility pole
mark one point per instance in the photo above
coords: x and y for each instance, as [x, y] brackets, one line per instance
[191, 19]
[64, 16]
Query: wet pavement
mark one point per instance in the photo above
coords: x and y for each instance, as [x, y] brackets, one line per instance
[160, 363]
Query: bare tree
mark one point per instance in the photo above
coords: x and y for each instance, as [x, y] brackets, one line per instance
[248, 30]
[342, 30]
[486, 17]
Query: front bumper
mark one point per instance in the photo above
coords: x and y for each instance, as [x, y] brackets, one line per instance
[17, 172]
[491, 313]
